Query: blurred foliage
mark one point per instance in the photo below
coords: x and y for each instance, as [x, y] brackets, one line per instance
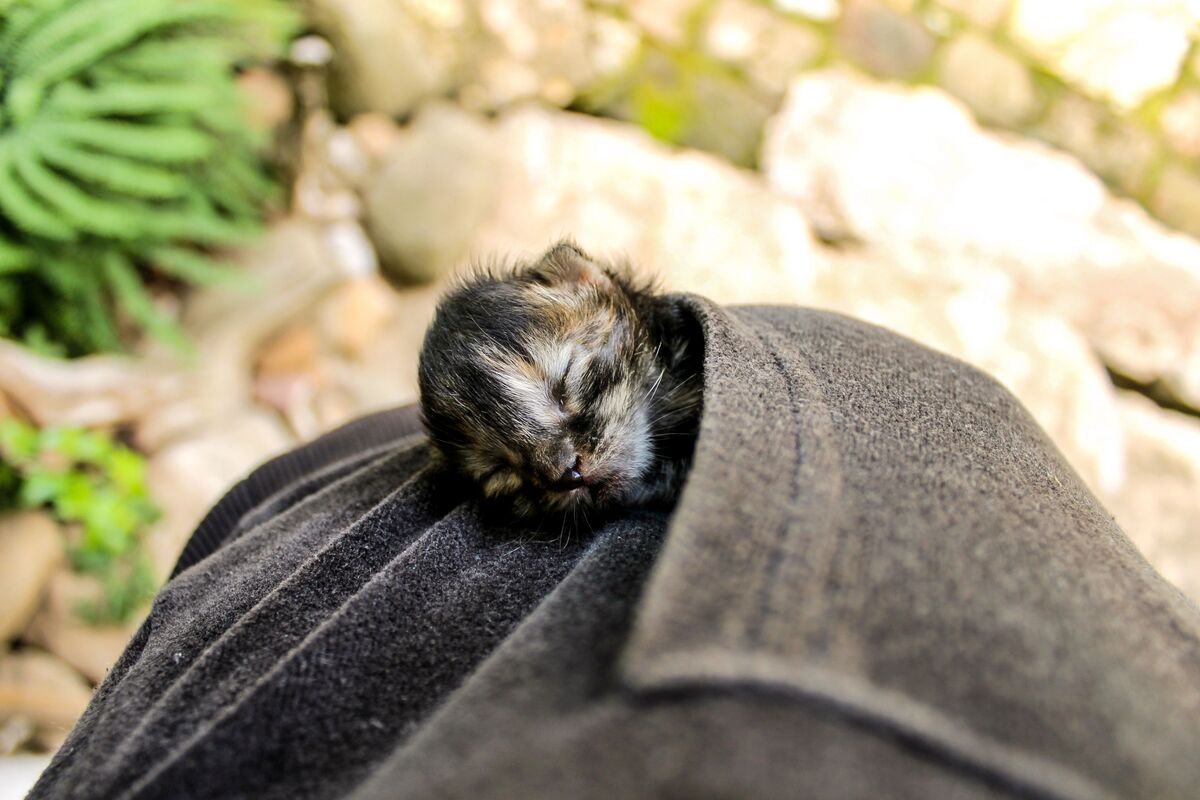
[124, 153]
[99, 488]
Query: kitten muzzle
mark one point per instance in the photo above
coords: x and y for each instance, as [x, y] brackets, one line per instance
[571, 478]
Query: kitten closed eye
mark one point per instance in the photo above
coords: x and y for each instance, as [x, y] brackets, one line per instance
[562, 386]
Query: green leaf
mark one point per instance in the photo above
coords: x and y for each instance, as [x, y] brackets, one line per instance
[39, 340]
[157, 143]
[41, 487]
[127, 470]
[47, 60]
[120, 174]
[131, 99]
[84, 446]
[26, 211]
[108, 523]
[18, 440]
[95, 316]
[14, 258]
[137, 303]
[200, 226]
[21, 18]
[86, 212]
[87, 478]
[192, 267]
[51, 31]
[123, 131]
[171, 58]
[661, 111]
[75, 498]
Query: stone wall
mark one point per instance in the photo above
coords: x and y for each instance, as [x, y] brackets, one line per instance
[1114, 82]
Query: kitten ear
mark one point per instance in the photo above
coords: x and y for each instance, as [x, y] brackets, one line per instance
[566, 264]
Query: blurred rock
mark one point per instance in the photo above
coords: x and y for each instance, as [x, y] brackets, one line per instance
[88, 648]
[286, 275]
[1162, 512]
[1181, 123]
[31, 548]
[269, 101]
[323, 190]
[292, 395]
[15, 732]
[937, 181]
[820, 10]
[769, 48]
[435, 188]
[687, 216]
[391, 55]
[293, 350]
[383, 373]
[290, 371]
[665, 20]
[529, 48]
[388, 54]
[1176, 199]
[349, 249]
[884, 41]
[319, 203]
[41, 688]
[612, 43]
[335, 406]
[50, 739]
[1122, 50]
[188, 477]
[689, 99]
[726, 117]
[984, 13]
[310, 51]
[57, 627]
[375, 133]
[353, 316]
[93, 391]
[1114, 148]
[347, 155]
[994, 84]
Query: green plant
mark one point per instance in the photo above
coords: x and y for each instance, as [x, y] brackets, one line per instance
[124, 154]
[683, 96]
[98, 487]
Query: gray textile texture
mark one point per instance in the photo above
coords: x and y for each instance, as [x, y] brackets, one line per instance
[882, 580]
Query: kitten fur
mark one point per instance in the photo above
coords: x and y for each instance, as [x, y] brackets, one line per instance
[563, 386]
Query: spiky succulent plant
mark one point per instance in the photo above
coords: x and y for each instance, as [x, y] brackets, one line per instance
[124, 154]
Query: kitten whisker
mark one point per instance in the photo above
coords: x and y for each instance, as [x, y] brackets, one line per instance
[650, 394]
[677, 387]
[681, 412]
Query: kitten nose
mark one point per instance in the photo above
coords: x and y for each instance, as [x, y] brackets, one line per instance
[572, 476]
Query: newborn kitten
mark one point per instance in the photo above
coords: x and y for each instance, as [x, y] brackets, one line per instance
[563, 386]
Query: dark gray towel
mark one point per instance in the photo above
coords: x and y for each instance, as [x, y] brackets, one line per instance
[882, 580]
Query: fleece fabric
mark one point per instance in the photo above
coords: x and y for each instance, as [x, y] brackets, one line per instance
[881, 581]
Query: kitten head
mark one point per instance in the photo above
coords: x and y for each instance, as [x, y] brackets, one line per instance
[536, 384]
